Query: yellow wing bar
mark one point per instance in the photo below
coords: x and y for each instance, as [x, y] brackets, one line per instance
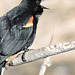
[30, 23]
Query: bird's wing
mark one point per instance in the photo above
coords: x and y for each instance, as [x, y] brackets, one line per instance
[18, 10]
[13, 39]
[4, 26]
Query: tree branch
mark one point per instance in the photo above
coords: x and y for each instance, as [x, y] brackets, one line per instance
[46, 63]
[36, 54]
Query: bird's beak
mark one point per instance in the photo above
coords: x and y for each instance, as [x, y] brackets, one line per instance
[45, 7]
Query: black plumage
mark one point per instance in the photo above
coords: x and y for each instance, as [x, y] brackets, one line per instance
[14, 34]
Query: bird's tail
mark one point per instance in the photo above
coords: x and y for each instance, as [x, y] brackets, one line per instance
[1, 69]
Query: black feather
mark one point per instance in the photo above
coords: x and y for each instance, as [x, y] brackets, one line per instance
[13, 36]
[0, 69]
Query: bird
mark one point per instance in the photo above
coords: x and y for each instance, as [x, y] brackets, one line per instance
[18, 28]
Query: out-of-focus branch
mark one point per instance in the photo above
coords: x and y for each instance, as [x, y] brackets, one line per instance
[47, 61]
[36, 54]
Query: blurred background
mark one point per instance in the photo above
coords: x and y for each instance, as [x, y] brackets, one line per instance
[61, 16]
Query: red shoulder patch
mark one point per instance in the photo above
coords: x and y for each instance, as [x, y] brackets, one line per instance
[30, 23]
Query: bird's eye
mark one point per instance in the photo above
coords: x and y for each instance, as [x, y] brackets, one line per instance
[37, 16]
[36, 8]
[38, 2]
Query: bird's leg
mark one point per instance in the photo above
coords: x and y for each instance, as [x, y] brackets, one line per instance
[23, 58]
[25, 50]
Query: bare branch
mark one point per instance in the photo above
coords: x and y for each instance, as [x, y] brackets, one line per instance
[36, 54]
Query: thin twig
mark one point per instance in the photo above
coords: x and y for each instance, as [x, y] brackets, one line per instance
[46, 63]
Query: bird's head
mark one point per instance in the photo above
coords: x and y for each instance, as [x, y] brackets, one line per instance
[34, 6]
[38, 9]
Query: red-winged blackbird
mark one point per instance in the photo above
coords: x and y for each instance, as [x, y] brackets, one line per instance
[18, 28]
